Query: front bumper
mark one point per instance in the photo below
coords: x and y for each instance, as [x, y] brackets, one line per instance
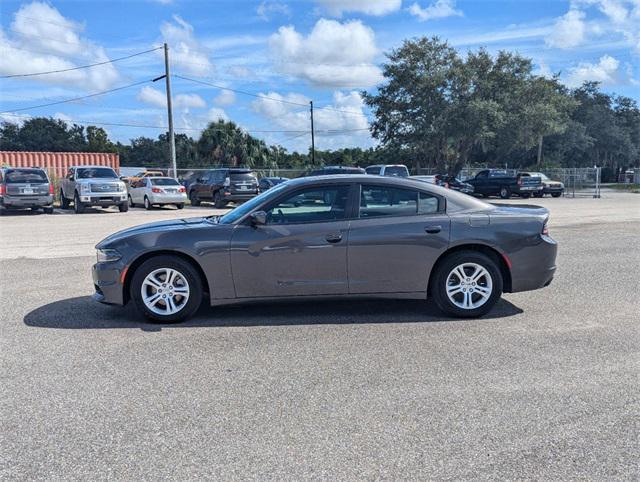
[103, 200]
[26, 201]
[553, 189]
[107, 279]
[534, 266]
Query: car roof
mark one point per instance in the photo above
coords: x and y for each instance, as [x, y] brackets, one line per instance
[90, 167]
[361, 178]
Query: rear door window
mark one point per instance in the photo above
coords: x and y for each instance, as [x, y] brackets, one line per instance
[380, 201]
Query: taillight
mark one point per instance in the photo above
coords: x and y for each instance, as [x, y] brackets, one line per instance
[2, 189]
[183, 189]
[50, 188]
[156, 189]
[545, 229]
[519, 181]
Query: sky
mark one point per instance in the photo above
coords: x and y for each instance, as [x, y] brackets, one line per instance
[260, 63]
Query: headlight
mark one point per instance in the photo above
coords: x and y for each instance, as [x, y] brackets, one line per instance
[85, 188]
[121, 187]
[107, 255]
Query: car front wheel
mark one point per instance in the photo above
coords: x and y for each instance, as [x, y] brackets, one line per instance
[166, 289]
[466, 284]
[78, 207]
[193, 197]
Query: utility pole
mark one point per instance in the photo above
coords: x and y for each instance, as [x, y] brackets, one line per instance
[313, 142]
[172, 140]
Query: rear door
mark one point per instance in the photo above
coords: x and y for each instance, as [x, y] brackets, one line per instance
[302, 250]
[396, 239]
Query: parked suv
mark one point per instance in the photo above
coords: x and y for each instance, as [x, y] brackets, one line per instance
[222, 186]
[25, 188]
[393, 170]
[555, 188]
[93, 186]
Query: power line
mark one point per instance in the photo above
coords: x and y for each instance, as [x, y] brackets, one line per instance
[260, 96]
[80, 98]
[80, 67]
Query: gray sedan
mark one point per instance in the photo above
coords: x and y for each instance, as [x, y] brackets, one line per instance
[332, 236]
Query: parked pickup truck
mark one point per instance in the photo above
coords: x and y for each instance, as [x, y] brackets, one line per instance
[92, 186]
[504, 183]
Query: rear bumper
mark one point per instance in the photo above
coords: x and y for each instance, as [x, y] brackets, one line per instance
[26, 201]
[106, 281]
[168, 198]
[534, 266]
[237, 196]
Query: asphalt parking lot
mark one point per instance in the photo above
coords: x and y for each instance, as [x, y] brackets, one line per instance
[547, 386]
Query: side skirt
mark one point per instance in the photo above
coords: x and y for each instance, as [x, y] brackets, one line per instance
[414, 295]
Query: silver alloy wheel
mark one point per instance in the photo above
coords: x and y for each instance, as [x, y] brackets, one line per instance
[165, 291]
[469, 286]
[147, 204]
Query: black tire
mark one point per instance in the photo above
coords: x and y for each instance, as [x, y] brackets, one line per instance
[556, 194]
[218, 201]
[147, 204]
[130, 199]
[48, 209]
[539, 194]
[525, 195]
[438, 283]
[185, 269]
[505, 192]
[124, 207]
[180, 206]
[78, 207]
[193, 197]
[64, 202]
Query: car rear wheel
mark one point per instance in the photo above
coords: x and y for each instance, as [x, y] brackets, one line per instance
[218, 201]
[147, 204]
[78, 207]
[193, 197]
[166, 289]
[466, 284]
[505, 192]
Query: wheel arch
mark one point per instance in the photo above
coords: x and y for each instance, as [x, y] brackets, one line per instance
[131, 269]
[491, 252]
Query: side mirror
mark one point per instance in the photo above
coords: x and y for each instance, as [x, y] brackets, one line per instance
[258, 218]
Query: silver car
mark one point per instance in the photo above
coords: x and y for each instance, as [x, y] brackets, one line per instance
[157, 191]
[25, 188]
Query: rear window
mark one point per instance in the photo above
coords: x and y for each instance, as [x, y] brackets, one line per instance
[164, 181]
[15, 176]
[396, 171]
[99, 172]
[242, 176]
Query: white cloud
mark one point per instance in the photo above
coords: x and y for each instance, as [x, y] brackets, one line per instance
[158, 98]
[605, 71]
[62, 116]
[569, 30]
[215, 114]
[187, 101]
[369, 7]
[185, 50]
[437, 9]
[341, 124]
[334, 54]
[152, 96]
[241, 71]
[267, 9]
[53, 43]
[225, 97]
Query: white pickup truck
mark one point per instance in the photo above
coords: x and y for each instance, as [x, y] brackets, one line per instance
[93, 186]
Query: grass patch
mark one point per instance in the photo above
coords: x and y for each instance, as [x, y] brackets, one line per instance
[635, 188]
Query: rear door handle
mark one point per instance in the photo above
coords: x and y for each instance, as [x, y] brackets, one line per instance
[333, 237]
[433, 229]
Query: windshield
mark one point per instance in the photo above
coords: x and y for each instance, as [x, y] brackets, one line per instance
[397, 171]
[242, 176]
[164, 181]
[540, 175]
[97, 172]
[25, 175]
[243, 209]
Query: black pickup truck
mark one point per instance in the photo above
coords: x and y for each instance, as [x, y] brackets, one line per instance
[504, 183]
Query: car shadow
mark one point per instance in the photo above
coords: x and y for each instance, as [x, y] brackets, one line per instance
[84, 313]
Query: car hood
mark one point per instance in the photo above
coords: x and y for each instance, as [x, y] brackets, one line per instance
[173, 224]
[100, 180]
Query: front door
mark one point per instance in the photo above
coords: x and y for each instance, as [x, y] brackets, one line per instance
[301, 250]
[396, 239]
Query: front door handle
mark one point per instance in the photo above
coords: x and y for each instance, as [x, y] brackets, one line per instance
[433, 229]
[333, 237]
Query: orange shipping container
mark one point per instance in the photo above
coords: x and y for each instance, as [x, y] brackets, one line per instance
[57, 163]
